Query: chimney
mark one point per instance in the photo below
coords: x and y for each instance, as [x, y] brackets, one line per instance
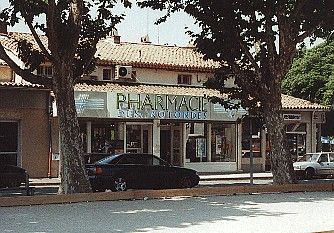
[3, 28]
[145, 39]
[114, 37]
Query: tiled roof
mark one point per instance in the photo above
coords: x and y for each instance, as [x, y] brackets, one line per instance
[146, 88]
[135, 54]
[153, 56]
[11, 44]
[25, 85]
[290, 102]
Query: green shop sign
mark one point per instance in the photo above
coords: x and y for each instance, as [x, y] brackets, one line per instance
[151, 106]
[130, 105]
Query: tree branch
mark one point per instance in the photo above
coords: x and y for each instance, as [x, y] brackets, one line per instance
[299, 6]
[248, 55]
[308, 33]
[37, 39]
[270, 38]
[75, 20]
[51, 31]
[247, 82]
[25, 74]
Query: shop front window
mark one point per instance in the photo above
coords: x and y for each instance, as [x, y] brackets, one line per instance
[223, 143]
[296, 136]
[138, 138]
[256, 137]
[105, 139]
[196, 143]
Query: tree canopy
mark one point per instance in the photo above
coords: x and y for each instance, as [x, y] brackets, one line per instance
[311, 76]
[65, 34]
[255, 42]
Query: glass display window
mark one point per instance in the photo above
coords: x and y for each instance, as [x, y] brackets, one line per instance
[223, 143]
[104, 138]
[196, 143]
[138, 138]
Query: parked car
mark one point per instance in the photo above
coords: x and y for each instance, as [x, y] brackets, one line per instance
[12, 176]
[315, 164]
[138, 171]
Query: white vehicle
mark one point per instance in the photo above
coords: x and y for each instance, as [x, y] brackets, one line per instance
[315, 164]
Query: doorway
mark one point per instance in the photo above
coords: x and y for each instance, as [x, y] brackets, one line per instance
[170, 144]
[165, 145]
[9, 143]
[138, 138]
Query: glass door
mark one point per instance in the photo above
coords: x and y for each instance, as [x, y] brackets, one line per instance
[138, 138]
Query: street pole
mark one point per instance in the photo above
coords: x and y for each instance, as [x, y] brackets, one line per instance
[251, 152]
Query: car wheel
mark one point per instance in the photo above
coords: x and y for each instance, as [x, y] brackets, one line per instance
[186, 182]
[120, 184]
[309, 173]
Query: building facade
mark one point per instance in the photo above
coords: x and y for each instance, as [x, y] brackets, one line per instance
[24, 127]
[149, 98]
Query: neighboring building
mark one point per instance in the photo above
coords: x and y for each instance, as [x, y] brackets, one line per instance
[150, 99]
[303, 121]
[24, 127]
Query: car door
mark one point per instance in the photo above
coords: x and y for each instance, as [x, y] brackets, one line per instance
[132, 169]
[149, 172]
[165, 174]
[324, 168]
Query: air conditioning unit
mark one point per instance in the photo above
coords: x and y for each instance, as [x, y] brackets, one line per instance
[123, 72]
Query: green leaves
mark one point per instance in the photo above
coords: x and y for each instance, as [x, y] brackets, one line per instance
[311, 76]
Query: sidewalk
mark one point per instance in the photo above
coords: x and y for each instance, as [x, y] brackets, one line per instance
[203, 177]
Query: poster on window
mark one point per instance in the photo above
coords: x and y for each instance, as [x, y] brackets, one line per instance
[218, 144]
[200, 147]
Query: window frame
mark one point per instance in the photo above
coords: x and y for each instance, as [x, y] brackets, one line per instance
[184, 79]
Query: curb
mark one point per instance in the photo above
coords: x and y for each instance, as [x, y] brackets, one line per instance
[202, 178]
[166, 193]
[236, 178]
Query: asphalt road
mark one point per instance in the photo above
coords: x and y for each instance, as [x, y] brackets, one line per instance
[285, 212]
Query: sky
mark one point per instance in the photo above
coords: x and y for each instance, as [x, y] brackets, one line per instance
[139, 22]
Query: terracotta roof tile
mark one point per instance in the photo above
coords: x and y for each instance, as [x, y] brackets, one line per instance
[10, 42]
[27, 85]
[290, 102]
[135, 54]
[154, 56]
[146, 88]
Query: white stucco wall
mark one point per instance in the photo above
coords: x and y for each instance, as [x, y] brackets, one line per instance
[163, 76]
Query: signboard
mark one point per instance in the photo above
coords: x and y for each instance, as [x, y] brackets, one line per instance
[151, 106]
[91, 104]
[292, 117]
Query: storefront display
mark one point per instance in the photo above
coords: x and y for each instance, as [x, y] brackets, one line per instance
[223, 146]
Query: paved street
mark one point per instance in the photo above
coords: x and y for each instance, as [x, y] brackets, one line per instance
[287, 212]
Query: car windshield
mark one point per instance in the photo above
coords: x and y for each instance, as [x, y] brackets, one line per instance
[112, 159]
[309, 158]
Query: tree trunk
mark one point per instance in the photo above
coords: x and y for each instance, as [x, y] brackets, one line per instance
[281, 162]
[72, 166]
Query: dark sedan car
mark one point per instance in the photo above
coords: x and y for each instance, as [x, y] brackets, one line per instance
[138, 171]
[12, 176]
